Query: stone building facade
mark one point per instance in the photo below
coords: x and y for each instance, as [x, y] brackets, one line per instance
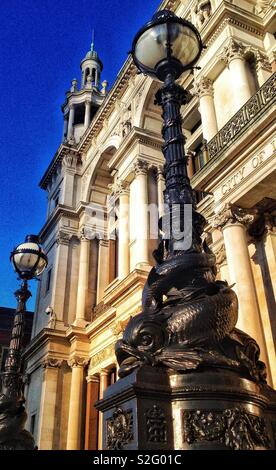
[111, 150]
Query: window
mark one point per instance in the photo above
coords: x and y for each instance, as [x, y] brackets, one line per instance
[48, 280]
[79, 114]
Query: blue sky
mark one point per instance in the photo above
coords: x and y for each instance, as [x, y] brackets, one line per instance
[41, 45]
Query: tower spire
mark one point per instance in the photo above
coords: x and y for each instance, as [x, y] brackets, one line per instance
[93, 40]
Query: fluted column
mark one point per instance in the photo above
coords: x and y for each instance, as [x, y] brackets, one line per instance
[232, 221]
[122, 190]
[92, 415]
[160, 189]
[49, 405]
[87, 114]
[71, 122]
[141, 216]
[103, 386]
[83, 280]
[103, 268]
[205, 92]
[76, 403]
[234, 55]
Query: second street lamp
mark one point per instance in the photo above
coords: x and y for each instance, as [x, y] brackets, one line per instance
[29, 261]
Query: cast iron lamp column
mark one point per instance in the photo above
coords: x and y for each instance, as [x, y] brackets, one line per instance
[187, 363]
[29, 261]
[174, 46]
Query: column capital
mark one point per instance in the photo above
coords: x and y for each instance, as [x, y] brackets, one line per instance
[52, 363]
[262, 61]
[70, 160]
[233, 50]
[232, 215]
[160, 172]
[119, 188]
[204, 87]
[78, 361]
[63, 238]
[103, 242]
[104, 372]
[264, 224]
[84, 234]
[92, 379]
[140, 167]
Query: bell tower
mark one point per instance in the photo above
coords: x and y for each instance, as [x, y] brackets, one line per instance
[82, 102]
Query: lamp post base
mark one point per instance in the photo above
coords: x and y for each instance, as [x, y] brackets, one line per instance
[161, 409]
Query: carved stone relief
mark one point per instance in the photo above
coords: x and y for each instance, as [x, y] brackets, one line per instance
[156, 425]
[119, 429]
[235, 428]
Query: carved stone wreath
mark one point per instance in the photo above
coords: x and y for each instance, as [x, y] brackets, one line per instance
[235, 428]
[119, 429]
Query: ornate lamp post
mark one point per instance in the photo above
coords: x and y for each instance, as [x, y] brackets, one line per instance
[29, 261]
[189, 378]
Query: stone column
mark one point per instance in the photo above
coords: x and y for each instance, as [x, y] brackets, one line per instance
[234, 56]
[60, 275]
[232, 221]
[92, 415]
[103, 269]
[76, 403]
[222, 264]
[263, 254]
[160, 189]
[205, 92]
[103, 386]
[263, 68]
[87, 114]
[70, 134]
[123, 191]
[69, 166]
[141, 216]
[83, 280]
[190, 166]
[48, 405]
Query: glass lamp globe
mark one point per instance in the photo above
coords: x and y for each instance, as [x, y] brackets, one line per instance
[166, 45]
[28, 259]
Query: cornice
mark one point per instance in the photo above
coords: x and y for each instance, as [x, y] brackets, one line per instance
[136, 136]
[225, 15]
[41, 339]
[75, 333]
[169, 5]
[60, 212]
[57, 159]
[79, 95]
